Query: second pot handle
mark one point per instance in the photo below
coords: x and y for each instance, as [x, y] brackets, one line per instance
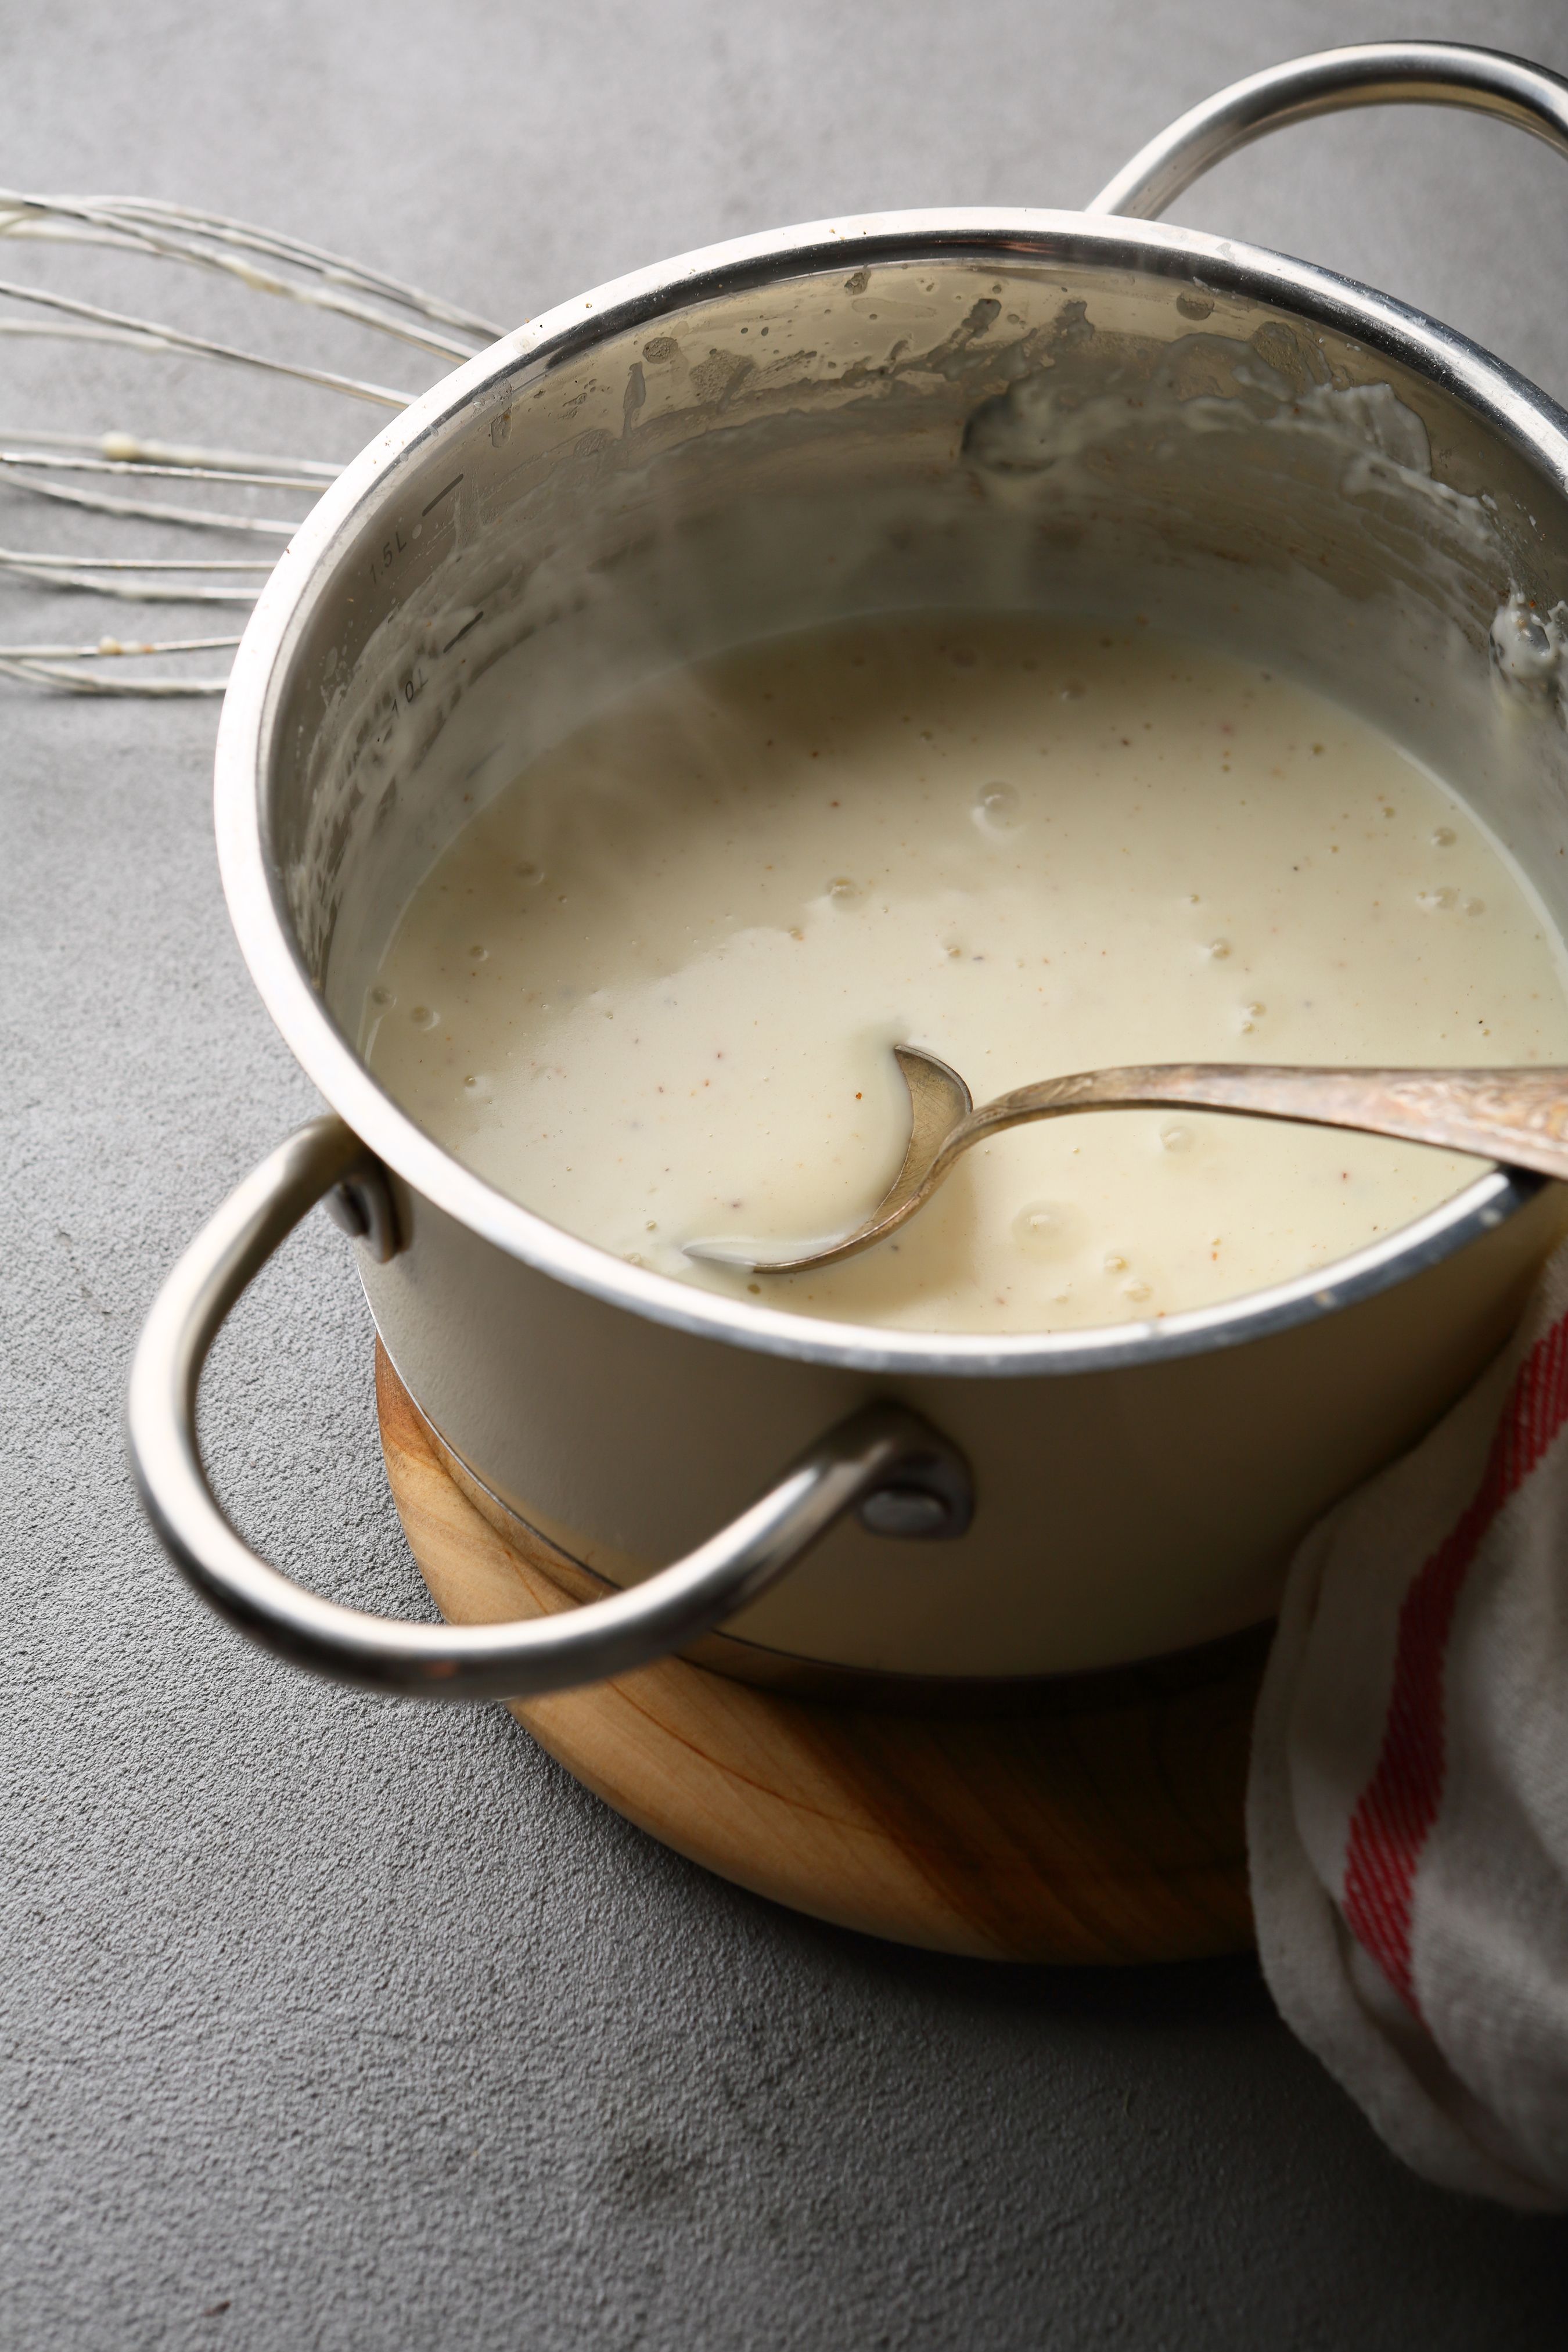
[884, 1459]
[1370, 73]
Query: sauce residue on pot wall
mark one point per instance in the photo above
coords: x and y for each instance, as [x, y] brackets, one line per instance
[650, 988]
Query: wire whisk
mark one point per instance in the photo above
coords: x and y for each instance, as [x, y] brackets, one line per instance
[76, 470]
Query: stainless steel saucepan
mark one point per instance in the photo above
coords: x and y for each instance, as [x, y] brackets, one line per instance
[1050, 410]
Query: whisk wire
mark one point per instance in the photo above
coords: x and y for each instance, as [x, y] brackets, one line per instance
[131, 591]
[333, 266]
[263, 261]
[174, 339]
[47, 463]
[131, 449]
[151, 509]
[60, 220]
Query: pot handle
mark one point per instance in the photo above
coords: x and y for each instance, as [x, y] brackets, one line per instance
[921, 1484]
[1369, 73]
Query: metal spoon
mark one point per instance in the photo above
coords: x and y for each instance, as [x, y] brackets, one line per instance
[1519, 1117]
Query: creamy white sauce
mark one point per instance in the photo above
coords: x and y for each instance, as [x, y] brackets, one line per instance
[650, 988]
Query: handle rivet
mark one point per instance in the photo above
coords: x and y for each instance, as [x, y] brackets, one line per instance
[929, 1498]
[361, 1207]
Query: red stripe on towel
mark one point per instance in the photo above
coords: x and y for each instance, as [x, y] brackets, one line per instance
[1393, 1817]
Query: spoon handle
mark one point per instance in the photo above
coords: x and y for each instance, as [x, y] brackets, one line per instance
[1517, 1116]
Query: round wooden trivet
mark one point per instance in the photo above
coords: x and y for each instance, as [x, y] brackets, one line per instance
[1081, 1832]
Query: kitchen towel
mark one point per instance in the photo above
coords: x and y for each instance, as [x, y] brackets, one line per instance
[1408, 1812]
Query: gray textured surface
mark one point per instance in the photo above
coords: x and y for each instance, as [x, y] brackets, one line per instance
[329, 2021]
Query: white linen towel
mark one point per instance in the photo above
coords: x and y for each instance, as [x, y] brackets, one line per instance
[1408, 1812]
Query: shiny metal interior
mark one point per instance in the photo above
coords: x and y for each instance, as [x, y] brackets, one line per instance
[1005, 410]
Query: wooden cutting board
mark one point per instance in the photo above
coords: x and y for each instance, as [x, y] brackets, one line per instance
[1106, 1825]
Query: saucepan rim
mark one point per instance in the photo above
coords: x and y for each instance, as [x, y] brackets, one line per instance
[1512, 408]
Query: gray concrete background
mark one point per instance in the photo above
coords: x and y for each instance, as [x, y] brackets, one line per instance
[334, 2023]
